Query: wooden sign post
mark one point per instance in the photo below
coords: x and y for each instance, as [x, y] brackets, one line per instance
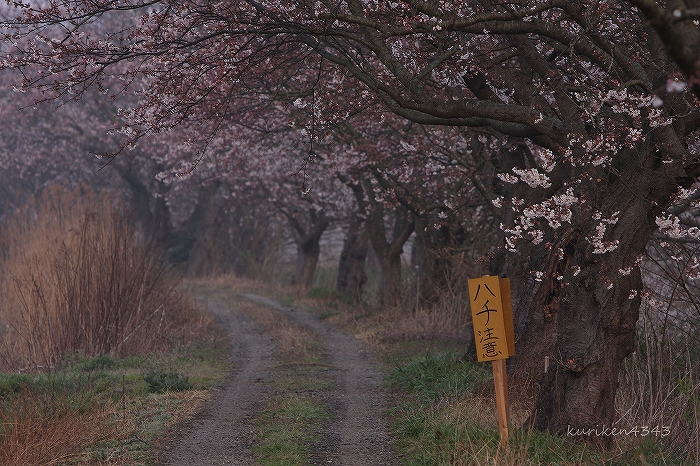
[492, 316]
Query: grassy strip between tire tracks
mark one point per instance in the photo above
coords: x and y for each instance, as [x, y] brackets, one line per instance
[291, 420]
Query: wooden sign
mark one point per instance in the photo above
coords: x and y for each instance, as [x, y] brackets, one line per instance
[492, 316]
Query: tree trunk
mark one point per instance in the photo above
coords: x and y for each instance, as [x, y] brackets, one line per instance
[203, 258]
[151, 211]
[308, 250]
[596, 332]
[436, 261]
[595, 327]
[307, 259]
[429, 262]
[584, 316]
[391, 279]
[389, 252]
[351, 266]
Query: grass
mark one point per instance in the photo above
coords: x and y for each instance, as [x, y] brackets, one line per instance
[101, 410]
[444, 414]
[435, 376]
[443, 408]
[287, 428]
[292, 419]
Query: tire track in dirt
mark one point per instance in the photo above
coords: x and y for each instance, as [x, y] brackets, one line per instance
[223, 433]
[357, 433]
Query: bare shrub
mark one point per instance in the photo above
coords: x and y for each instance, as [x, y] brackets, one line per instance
[76, 278]
[446, 312]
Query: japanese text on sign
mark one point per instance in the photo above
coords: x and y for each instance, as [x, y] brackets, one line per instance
[492, 317]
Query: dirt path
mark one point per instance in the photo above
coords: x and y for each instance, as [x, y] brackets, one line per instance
[223, 433]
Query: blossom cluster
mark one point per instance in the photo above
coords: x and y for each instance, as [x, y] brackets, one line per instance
[555, 210]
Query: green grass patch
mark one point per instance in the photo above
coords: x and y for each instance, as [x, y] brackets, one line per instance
[444, 414]
[287, 428]
[161, 381]
[435, 376]
[438, 400]
[424, 387]
[135, 399]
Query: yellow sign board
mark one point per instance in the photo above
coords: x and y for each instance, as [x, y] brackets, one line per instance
[492, 316]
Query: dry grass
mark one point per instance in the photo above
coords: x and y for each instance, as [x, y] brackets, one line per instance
[41, 428]
[75, 278]
[660, 387]
[385, 329]
[131, 425]
[447, 319]
[45, 432]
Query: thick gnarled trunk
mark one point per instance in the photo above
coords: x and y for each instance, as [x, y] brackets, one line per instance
[595, 331]
[583, 317]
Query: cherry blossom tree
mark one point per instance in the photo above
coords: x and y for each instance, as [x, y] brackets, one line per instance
[387, 240]
[271, 164]
[676, 23]
[429, 172]
[57, 144]
[597, 114]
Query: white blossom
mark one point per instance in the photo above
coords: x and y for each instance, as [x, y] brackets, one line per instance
[533, 178]
[670, 226]
[537, 236]
[625, 271]
[674, 85]
[599, 245]
[508, 178]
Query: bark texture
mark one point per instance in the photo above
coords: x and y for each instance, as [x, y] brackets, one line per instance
[584, 316]
[308, 248]
[351, 266]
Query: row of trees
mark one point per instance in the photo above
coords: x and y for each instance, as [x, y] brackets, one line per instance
[225, 213]
[567, 130]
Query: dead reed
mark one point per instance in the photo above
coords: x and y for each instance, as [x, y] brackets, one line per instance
[75, 278]
[660, 390]
[44, 431]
